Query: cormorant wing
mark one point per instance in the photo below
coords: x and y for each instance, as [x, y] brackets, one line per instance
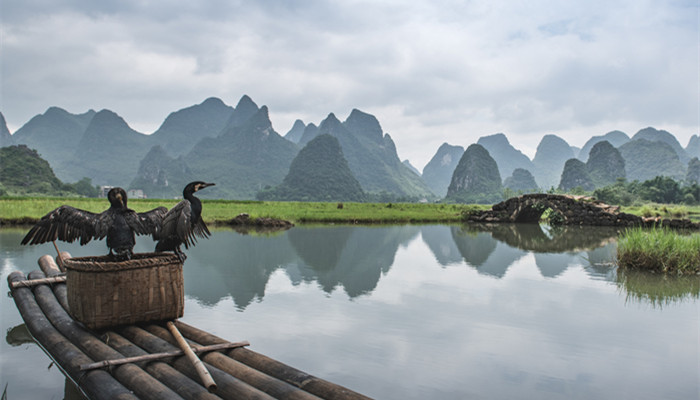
[65, 223]
[178, 222]
[146, 223]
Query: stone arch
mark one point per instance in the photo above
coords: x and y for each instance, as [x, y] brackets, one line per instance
[574, 210]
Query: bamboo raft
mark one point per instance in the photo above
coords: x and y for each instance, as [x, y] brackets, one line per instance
[152, 360]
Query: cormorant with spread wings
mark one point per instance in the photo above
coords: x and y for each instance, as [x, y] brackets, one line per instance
[183, 223]
[118, 223]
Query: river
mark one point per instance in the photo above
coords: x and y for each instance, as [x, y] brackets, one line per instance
[419, 311]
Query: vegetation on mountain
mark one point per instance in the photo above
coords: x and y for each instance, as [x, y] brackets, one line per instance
[244, 159]
[521, 181]
[575, 175]
[693, 148]
[605, 164]
[437, 173]
[6, 138]
[615, 138]
[372, 156]
[645, 160]
[162, 176]
[656, 135]
[693, 174]
[23, 172]
[476, 179]
[319, 172]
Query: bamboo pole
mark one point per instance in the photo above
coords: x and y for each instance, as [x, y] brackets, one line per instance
[41, 281]
[276, 388]
[187, 388]
[59, 258]
[158, 356]
[228, 387]
[96, 384]
[269, 366]
[129, 375]
[50, 268]
[202, 371]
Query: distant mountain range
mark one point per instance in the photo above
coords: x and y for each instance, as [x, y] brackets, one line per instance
[237, 148]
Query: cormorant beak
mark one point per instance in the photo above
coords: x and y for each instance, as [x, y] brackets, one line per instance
[119, 197]
[203, 185]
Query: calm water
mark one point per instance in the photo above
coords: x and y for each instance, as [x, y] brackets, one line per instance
[421, 312]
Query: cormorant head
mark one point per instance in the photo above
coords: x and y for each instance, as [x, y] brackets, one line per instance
[195, 186]
[117, 197]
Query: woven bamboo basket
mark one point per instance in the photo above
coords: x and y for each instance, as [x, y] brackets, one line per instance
[103, 293]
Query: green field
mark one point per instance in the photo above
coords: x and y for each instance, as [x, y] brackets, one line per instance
[27, 210]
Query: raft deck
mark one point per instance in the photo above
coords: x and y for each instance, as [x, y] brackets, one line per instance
[105, 364]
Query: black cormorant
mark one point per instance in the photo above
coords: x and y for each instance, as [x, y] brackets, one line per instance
[183, 223]
[118, 223]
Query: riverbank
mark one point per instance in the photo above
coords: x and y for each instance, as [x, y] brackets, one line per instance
[659, 250]
[22, 211]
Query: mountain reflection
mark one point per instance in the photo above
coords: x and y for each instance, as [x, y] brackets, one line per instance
[240, 266]
[492, 248]
[354, 258]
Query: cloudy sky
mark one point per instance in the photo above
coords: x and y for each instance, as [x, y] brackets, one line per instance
[430, 71]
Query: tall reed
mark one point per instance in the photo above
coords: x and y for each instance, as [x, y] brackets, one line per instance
[659, 250]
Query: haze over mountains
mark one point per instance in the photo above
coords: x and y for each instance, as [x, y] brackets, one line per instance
[238, 148]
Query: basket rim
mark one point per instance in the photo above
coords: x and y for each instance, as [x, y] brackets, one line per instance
[106, 264]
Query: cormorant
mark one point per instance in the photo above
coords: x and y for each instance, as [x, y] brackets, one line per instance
[183, 223]
[118, 223]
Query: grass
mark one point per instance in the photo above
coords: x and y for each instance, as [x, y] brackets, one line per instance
[659, 250]
[29, 209]
[664, 210]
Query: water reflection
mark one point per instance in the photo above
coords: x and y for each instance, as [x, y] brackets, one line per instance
[354, 259]
[657, 290]
[493, 248]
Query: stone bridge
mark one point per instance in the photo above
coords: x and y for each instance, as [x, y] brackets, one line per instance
[566, 210]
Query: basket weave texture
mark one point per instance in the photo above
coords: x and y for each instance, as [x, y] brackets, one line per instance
[103, 293]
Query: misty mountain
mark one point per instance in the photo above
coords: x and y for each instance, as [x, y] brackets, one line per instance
[319, 172]
[55, 135]
[552, 153]
[245, 158]
[605, 164]
[372, 155]
[437, 173]
[410, 166]
[615, 138]
[507, 157]
[655, 135]
[245, 109]
[693, 148]
[575, 175]
[476, 178]
[645, 160]
[6, 138]
[310, 132]
[296, 132]
[521, 181]
[162, 176]
[108, 152]
[182, 129]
